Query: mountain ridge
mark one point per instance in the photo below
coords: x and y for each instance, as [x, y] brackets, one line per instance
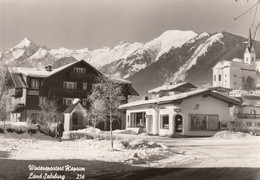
[174, 56]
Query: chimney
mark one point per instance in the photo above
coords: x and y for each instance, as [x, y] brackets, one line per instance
[48, 67]
[146, 98]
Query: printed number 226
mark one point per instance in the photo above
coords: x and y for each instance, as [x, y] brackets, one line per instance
[80, 176]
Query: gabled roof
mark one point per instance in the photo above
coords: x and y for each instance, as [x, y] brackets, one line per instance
[42, 73]
[71, 108]
[78, 107]
[182, 96]
[171, 87]
[38, 72]
[18, 81]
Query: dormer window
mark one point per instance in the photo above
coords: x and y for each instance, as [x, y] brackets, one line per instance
[35, 83]
[79, 70]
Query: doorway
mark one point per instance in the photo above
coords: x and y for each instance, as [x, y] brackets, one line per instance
[178, 124]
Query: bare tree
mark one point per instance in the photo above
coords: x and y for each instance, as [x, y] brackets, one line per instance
[255, 26]
[107, 97]
[97, 109]
[4, 96]
[49, 112]
[249, 84]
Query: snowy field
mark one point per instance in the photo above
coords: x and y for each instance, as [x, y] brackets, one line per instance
[41, 147]
[223, 151]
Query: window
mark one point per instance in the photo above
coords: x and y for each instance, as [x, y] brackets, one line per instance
[225, 75]
[243, 79]
[84, 102]
[235, 75]
[253, 59]
[69, 85]
[204, 122]
[253, 111]
[96, 86]
[137, 119]
[223, 125]
[249, 124]
[214, 77]
[42, 100]
[85, 86]
[235, 83]
[35, 83]
[165, 121]
[257, 124]
[119, 90]
[219, 77]
[80, 70]
[67, 101]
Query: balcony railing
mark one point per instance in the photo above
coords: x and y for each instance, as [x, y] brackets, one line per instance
[72, 92]
[248, 116]
[16, 92]
[86, 76]
[16, 107]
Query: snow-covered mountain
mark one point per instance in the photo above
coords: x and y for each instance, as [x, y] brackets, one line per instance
[131, 57]
[22, 51]
[173, 56]
[148, 53]
[193, 62]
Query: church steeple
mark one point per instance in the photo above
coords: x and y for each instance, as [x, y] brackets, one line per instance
[250, 42]
[250, 56]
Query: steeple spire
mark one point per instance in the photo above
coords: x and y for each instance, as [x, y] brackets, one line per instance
[250, 42]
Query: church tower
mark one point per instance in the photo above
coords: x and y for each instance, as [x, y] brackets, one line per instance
[249, 55]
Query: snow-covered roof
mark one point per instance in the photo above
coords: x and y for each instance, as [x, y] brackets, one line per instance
[169, 99]
[170, 87]
[118, 80]
[43, 73]
[34, 72]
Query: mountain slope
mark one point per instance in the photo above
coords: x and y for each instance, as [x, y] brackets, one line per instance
[148, 53]
[192, 62]
[20, 52]
[173, 56]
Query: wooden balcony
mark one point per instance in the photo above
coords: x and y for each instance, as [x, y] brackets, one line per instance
[248, 116]
[16, 107]
[16, 92]
[67, 92]
[79, 76]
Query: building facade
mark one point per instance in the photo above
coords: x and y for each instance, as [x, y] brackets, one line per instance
[30, 87]
[200, 112]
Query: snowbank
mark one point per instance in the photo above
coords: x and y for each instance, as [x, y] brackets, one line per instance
[6, 124]
[123, 131]
[230, 135]
[88, 133]
[144, 144]
[18, 126]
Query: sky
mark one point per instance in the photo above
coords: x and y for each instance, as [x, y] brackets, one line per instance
[94, 24]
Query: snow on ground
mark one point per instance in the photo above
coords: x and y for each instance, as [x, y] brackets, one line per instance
[20, 126]
[147, 151]
[231, 135]
[138, 152]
